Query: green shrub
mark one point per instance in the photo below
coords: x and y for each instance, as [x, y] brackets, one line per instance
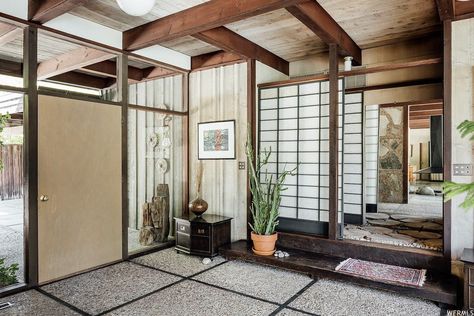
[7, 273]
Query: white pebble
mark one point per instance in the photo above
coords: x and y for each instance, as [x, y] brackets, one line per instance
[281, 255]
[286, 254]
[206, 261]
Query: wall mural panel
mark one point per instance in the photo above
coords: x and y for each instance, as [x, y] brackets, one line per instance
[392, 155]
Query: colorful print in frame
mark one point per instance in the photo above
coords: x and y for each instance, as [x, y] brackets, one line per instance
[216, 140]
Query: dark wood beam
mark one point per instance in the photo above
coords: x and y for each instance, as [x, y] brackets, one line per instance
[333, 140]
[396, 85]
[463, 10]
[197, 19]
[445, 9]
[313, 15]
[157, 72]
[42, 11]
[81, 79]
[234, 43]
[429, 107]
[75, 59]
[109, 68]
[360, 71]
[214, 59]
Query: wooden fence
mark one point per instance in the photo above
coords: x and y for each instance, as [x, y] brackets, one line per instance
[11, 177]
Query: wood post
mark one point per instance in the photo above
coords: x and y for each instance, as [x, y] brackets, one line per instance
[251, 121]
[122, 95]
[333, 139]
[30, 160]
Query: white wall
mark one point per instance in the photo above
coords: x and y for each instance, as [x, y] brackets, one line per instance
[462, 109]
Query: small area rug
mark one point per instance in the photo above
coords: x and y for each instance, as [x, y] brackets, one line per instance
[383, 272]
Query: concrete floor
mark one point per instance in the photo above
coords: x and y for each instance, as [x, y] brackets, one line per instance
[167, 283]
[11, 233]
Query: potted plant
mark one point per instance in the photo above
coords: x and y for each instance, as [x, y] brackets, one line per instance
[452, 189]
[266, 198]
[7, 273]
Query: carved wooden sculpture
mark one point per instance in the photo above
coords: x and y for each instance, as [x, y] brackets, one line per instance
[156, 224]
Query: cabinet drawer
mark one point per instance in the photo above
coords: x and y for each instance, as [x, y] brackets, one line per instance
[200, 230]
[182, 227]
[183, 240]
[470, 272]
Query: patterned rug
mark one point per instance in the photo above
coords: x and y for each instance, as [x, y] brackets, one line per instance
[383, 272]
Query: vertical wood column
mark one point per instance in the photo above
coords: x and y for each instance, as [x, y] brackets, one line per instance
[30, 160]
[333, 139]
[252, 123]
[122, 95]
[447, 137]
[186, 158]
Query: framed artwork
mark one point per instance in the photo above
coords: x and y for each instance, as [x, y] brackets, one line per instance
[216, 140]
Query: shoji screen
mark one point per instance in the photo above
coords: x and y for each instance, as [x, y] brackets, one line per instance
[353, 159]
[294, 124]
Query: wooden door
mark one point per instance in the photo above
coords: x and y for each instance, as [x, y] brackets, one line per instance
[79, 186]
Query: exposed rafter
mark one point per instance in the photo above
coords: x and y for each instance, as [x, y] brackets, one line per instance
[109, 68]
[78, 58]
[157, 72]
[197, 19]
[445, 9]
[214, 59]
[42, 11]
[232, 42]
[325, 27]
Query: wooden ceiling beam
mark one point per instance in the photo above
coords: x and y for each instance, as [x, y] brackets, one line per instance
[9, 33]
[445, 9]
[78, 58]
[234, 43]
[393, 85]
[197, 19]
[313, 15]
[42, 11]
[157, 72]
[214, 59]
[109, 68]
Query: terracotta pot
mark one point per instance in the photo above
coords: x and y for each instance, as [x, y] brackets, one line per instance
[264, 245]
[198, 206]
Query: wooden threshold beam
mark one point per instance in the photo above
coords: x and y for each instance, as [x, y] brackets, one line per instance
[42, 11]
[214, 59]
[234, 43]
[359, 71]
[313, 15]
[78, 58]
[203, 17]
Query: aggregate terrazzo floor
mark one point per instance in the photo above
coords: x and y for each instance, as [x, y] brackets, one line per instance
[144, 287]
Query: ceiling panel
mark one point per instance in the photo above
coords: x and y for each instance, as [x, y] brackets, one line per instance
[280, 33]
[108, 13]
[190, 46]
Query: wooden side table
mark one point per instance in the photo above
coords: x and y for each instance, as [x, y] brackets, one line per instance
[203, 235]
[468, 259]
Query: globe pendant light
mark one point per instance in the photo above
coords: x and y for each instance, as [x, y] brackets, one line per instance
[136, 7]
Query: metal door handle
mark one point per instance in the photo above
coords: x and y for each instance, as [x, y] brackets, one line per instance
[44, 198]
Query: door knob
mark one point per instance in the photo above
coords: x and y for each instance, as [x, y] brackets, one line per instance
[44, 198]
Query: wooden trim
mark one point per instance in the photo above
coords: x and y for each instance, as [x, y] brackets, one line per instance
[445, 9]
[252, 125]
[234, 43]
[214, 59]
[408, 83]
[81, 79]
[42, 11]
[313, 15]
[30, 160]
[109, 68]
[122, 94]
[157, 110]
[415, 103]
[447, 131]
[210, 15]
[333, 140]
[356, 72]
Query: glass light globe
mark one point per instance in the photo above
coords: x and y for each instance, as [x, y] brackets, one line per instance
[136, 7]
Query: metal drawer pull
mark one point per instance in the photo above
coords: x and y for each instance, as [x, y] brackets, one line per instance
[182, 228]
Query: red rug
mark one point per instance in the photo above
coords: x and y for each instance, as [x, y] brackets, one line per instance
[383, 272]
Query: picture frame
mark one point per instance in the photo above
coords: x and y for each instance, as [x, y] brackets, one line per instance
[216, 140]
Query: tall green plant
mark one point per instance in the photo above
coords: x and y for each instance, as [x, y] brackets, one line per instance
[266, 193]
[3, 122]
[7, 273]
[452, 189]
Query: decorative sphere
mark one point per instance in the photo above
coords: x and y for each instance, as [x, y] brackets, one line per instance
[136, 7]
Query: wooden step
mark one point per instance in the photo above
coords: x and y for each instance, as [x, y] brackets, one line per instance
[438, 287]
